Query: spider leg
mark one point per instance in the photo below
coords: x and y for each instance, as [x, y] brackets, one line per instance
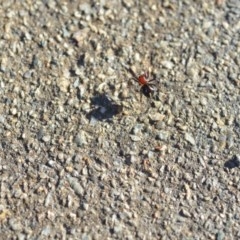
[152, 80]
[153, 88]
[141, 94]
[146, 74]
[135, 79]
[152, 85]
[132, 73]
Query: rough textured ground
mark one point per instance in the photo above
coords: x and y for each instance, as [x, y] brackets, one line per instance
[83, 157]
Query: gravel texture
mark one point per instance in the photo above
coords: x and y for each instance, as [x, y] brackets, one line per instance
[83, 155]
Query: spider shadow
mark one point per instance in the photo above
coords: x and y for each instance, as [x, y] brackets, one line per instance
[234, 162]
[103, 108]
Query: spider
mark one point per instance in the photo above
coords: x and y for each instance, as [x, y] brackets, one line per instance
[147, 86]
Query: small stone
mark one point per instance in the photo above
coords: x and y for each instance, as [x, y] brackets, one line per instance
[222, 142]
[181, 126]
[81, 91]
[150, 154]
[189, 138]
[80, 36]
[13, 111]
[4, 214]
[3, 65]
[220, 235]
[162, 135]
[188, 191]
[75, 185]
[48, 199]
[21, 236]
[18, 193]
[192, 71]
[203, 101]
[51, 163]
[117, 228]
[46, 138]
[61, 156]
[128, 3]
[167, 64]
[157, 117]
[15, 224]
[137, 129]
[85, 171]
[46, 231]
[86, 8]
[63, 84]
[27, 74]
[81, 138]
[147, 26]
[137, 57]
[35, 62]
[69, 169]
[185, 213]
[135, 138]
[85, 206]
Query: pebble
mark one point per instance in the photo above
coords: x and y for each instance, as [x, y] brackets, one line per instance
[15, 224]
[36, 62]
[167, 64]
[13, 111]
[80, 36]
[185, 213]
[49, 199]
[27, 74]
[75, 185]
[220, 235]
[63, 84]
[85, 206]
[117, 228]
[81, 138]
[21, 236]
[46, 138]
[137, 129]
[157, 117]
[46, 230]
[137, 57]
[135, 138]
[189, 138]
[86, 8]
[3, 64]
[162, 135]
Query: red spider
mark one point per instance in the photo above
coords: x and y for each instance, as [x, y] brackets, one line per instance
[147, 86]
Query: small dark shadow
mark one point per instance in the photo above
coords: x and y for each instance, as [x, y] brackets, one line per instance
[234, 162]
[103, 108]
[81, 60]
